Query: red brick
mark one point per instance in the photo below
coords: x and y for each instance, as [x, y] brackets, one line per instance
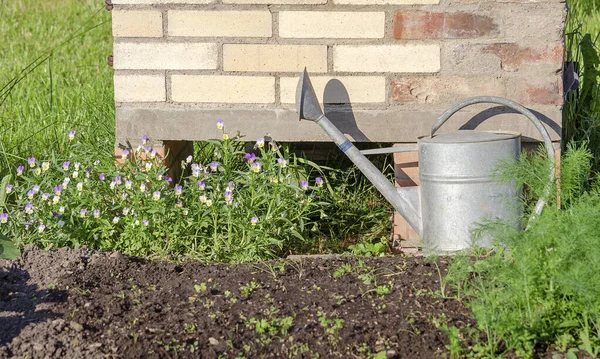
[406, 168]
[444, 90]
[536, 92]
[514, 57]
[414, 24]
[468, 25]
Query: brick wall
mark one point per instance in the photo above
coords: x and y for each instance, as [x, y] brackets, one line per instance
[385, 68]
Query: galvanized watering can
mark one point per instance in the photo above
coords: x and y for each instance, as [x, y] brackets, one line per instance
[457, 188]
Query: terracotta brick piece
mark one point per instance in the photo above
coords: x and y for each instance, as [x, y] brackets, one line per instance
[417, 24]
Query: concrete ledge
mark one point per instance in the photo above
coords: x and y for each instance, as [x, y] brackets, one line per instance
[396, 124]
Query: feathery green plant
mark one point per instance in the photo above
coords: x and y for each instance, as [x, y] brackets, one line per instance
[541, 288]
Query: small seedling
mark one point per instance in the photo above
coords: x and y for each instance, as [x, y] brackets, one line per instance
[200, 287]
[341, 270]
[189, 328]
[247, 289]
[52, 285]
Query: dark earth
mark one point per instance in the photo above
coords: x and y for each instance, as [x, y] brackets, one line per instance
[80, 303]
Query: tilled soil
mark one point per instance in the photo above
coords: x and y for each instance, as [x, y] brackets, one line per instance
[79, 303]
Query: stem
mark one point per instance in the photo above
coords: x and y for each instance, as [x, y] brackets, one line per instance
[214, 229]
[229, 228]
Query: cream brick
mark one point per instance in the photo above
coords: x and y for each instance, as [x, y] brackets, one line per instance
[154, 2]
[222, 89]
[220, 23]
[274, 58]
[137, 23]
[168, 56]
[331, 24]
[341, 89]
[288, 2]
[385, 2]
[387, 58]
[140, 88]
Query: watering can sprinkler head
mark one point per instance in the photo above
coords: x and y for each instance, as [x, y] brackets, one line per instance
[307, 103]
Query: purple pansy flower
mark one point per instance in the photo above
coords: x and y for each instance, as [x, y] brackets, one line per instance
[72, 134]
[96, 213]
[145, 139]
[20, 170]
[31, 162]
[304, 184]
[250, 157]
[101, 176]
[214, 166]
[196, 170]
[201, 185]
[82, 212]
[228, 197]
[3, 217]
[58, 190]
[9, 188]
[65, 165]
[319, 181]
[254, 221]
[29, 208]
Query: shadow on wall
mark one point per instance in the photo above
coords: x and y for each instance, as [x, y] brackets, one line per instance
[338, 108]
[482, 116]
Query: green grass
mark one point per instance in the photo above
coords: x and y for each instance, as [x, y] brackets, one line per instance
[54, 77]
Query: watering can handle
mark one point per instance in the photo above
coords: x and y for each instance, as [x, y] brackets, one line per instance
[524, 111]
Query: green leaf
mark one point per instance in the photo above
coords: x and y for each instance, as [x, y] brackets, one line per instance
[3, 190]
[591, 62]
[8, 250]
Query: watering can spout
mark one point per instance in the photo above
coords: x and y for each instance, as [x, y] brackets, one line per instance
[404, 201]
[307, 104]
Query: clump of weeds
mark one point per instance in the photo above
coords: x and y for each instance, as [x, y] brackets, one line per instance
[541, 286]
[367, 275]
